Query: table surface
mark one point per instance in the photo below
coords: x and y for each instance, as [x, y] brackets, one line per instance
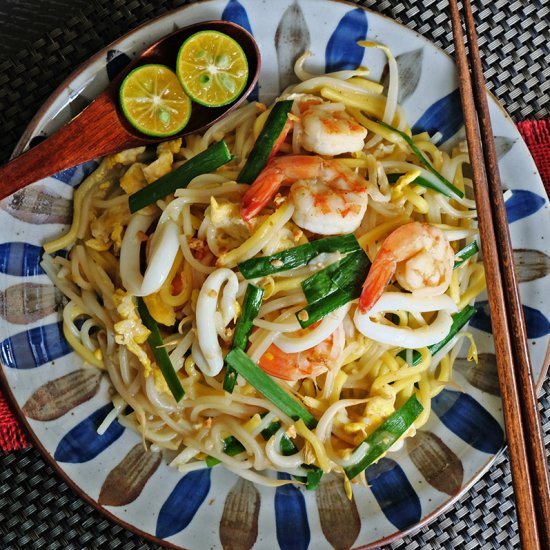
[37, 509]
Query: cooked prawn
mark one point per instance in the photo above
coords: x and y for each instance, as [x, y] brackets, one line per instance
[327, 129]
[420, 257]
[309, 363]
[321, 127]
[329, 198]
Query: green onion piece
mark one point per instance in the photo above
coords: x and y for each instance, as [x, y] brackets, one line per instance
[238, 359]
[342, 275]
[287, 449]
[459, 321]
[466, 253]
[160, 353]
[271, 429]
[314, 476]
[215, 156]
[211, 461]
[333, 287]
[425, 162]
[379, 441]
[434, 184]
[297, 256]
[320, 309]
[251, 305]
[266, 140]
[287, 445]
[232, 447]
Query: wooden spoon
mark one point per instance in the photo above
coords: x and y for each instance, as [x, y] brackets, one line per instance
[101, 129]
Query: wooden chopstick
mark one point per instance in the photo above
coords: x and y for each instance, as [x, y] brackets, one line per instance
[535, 441]
[523, 427]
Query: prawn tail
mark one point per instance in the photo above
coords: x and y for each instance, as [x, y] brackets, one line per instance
[379, 276]
[281, 139]
[259, 194]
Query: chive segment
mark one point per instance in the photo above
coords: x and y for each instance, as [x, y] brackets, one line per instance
[424, 182]
[251, 306]
[339, 276]
[459, 321]
[160, 353]
[379, 441]
[333, 287]
[232, 447]
[238, 359]
[266, 140]
[423, 160]
[215, 156]
[297, 256]
[313, 477]
[466, 253]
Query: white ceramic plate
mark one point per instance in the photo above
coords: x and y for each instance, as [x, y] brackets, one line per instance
[62, 402]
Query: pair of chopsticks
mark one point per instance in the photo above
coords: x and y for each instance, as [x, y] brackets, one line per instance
[523, 427]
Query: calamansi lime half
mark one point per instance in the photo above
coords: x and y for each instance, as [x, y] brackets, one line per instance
[212, 68]
[154, 102]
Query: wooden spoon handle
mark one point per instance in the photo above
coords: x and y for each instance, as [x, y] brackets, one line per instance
[95, 132]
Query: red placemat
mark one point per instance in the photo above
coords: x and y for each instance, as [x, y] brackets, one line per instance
[536, 134]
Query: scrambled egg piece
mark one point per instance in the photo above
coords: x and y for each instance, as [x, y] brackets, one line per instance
[129, 156]
[130, 331]
[289, 236]
[163, 164]
[225, 216]
[133, 179]
[377, 409]
[160, 381]
[380, 406]
[108, 229]
[160, 311]
[173, 146]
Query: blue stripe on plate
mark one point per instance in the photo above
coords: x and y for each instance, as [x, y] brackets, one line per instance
[182, 504]
[235, 13]
[342, 51]
[34, 347]
[20, 259]
[444, 116]
[291, 517]
[394, 493]
[536, 323]
[83, 443]
[467, 419]
[74, 176]
[522, 204]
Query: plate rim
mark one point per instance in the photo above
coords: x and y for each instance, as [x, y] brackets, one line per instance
[50, 460]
